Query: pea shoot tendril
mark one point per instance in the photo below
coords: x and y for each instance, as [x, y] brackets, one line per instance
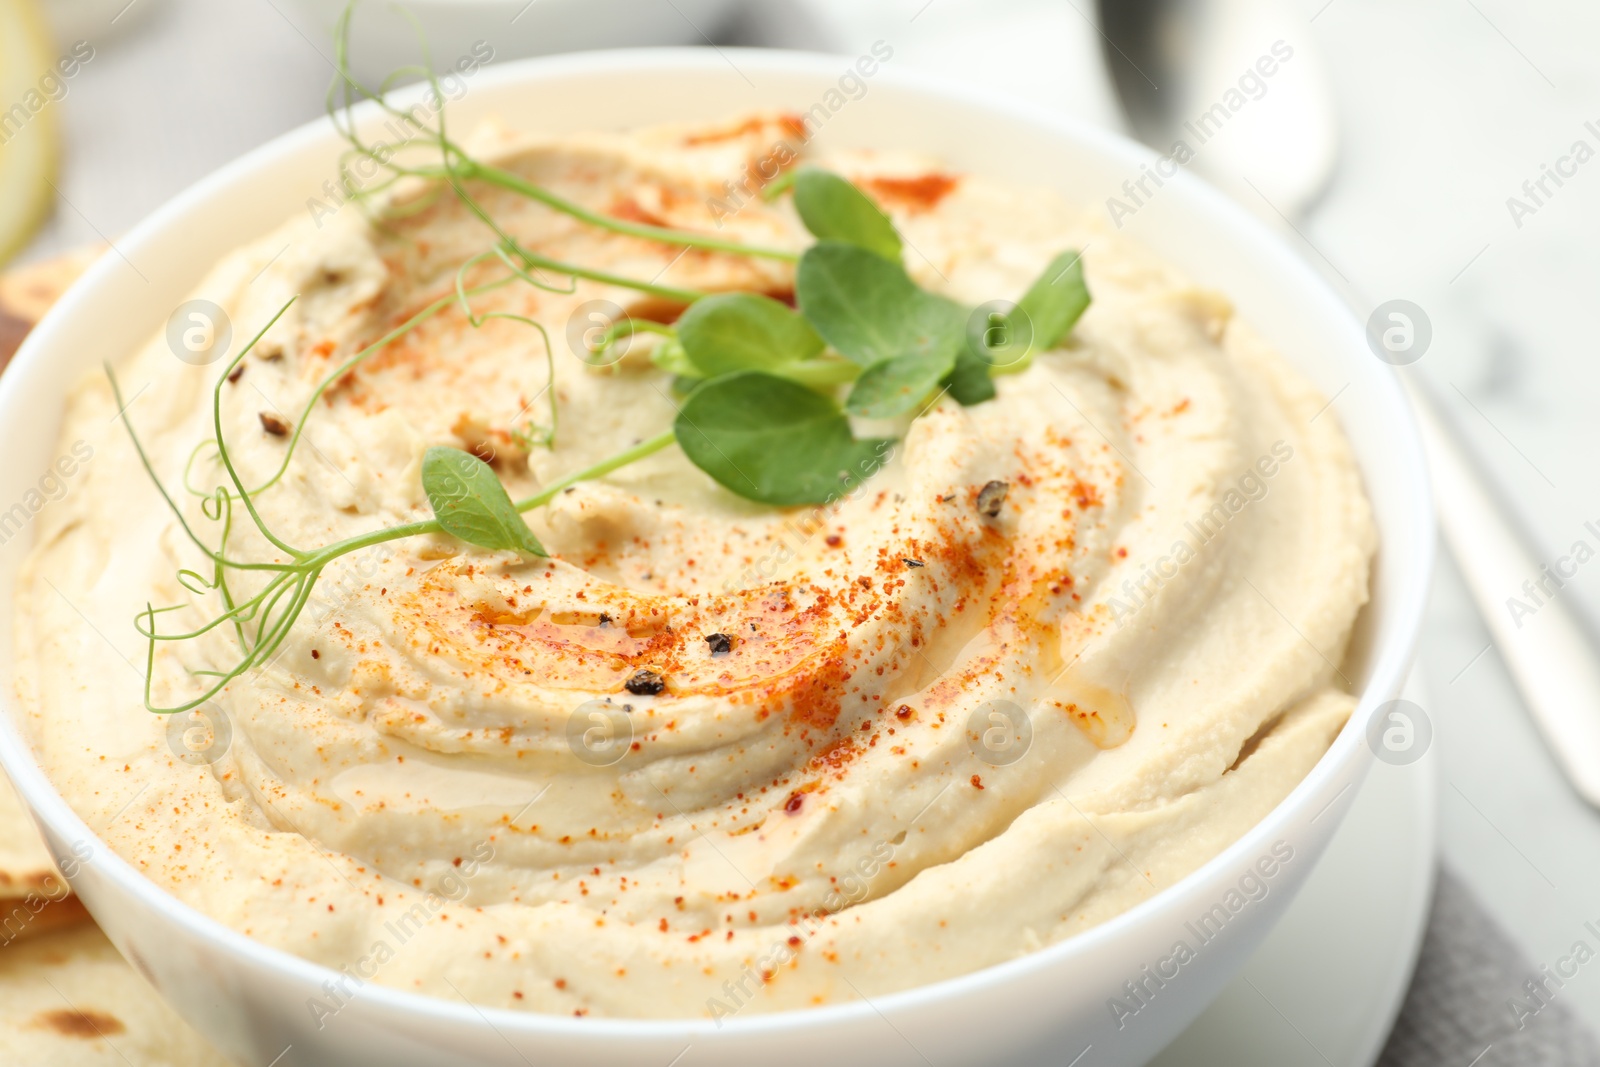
[761, 414]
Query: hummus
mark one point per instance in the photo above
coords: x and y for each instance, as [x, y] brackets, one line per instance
[1060, 650]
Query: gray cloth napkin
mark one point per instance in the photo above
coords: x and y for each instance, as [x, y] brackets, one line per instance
[1460, 1010]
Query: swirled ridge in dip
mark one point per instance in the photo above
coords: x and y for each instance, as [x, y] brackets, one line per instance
[1060, 649]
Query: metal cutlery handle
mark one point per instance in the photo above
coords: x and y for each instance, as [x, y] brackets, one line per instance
[1548, 652]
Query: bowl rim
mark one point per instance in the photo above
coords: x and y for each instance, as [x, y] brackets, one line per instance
[1343, 762]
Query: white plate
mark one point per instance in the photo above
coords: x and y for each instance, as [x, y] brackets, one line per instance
[1326, 985]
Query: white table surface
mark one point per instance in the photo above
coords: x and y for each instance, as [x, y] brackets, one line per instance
[1447, 105]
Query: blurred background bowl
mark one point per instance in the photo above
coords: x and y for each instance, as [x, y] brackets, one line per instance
[385, 36]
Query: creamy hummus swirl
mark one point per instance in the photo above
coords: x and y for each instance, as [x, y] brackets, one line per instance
[1057, 651]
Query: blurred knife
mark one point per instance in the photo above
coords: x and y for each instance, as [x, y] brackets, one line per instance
[1165, 57]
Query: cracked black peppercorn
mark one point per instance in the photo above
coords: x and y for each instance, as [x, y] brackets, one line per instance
[645, 683]
[991, 496]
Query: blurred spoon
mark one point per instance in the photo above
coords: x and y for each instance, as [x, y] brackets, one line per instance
[1172, 61]
[1175, 63]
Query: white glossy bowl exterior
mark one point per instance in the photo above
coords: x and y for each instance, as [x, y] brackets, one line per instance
[1047, 1007]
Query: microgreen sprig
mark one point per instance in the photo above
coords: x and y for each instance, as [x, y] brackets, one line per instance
[455, 166]
[762, 415]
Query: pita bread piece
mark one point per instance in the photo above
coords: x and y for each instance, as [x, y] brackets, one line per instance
[69, 999]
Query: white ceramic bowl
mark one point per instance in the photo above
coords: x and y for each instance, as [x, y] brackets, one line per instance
[383, 35]
[1050, 1006]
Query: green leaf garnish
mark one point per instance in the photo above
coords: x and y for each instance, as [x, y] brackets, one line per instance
[895, 386]
[744, 331]
[970, 382]
[1056, 301]
[835, 210]
[471, 504]
[774, 441]
[871, 310]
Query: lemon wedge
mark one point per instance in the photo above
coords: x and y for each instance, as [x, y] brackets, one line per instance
[28, 133]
